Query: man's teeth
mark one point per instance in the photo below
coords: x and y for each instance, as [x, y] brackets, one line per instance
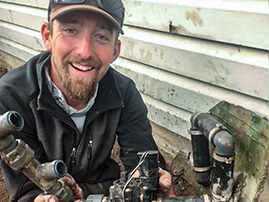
[81, 67]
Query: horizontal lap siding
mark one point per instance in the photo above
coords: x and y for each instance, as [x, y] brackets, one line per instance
[184, 57]
[236, 22]
[219, 53]
[20, 23]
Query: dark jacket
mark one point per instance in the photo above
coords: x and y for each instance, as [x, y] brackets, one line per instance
[118, 110]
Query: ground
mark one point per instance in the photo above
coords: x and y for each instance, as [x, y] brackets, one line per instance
[3, 192]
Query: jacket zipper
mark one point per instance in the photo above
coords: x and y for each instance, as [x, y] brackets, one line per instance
[90, 143]
[73, 158]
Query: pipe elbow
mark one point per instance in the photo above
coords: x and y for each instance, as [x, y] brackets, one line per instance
[193, 120]
[224, 143]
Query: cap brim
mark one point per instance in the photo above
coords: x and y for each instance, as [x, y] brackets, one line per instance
[66, 9]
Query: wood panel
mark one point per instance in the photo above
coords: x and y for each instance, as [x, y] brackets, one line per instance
[175, 119]
[242, 22]
[238, 68]
[23, 36]
[24, 16]
[19, 51]
[32, 3]
[183, 92]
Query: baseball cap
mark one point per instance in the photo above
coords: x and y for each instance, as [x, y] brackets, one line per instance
[113, 10]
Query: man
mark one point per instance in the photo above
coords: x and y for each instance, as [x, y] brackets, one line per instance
[74, 104]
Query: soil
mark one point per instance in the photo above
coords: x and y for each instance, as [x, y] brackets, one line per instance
[3, 192]
[3, 68]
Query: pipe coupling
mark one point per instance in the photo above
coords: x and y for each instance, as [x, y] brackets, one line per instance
[223, 159]
[19, 157]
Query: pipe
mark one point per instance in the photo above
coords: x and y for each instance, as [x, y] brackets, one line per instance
[223, 155]
[19, 156]
[222, 178]
[201, 160]
[201, 157]
[223, 165]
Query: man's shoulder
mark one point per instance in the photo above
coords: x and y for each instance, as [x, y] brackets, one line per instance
[120, 78]
[21, 80]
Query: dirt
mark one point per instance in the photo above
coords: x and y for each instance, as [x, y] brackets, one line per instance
[3, 192]
[3, 68]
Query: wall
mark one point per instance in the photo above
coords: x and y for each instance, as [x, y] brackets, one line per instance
[185, 56]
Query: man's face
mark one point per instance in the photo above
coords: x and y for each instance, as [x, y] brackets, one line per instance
[83, 45]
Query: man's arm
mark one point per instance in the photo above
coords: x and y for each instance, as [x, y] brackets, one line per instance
[134, 131]
[135, 135]
[18, 184]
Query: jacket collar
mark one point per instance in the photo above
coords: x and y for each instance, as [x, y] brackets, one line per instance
[108, 95]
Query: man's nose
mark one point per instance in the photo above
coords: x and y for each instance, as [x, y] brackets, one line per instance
[85, 47]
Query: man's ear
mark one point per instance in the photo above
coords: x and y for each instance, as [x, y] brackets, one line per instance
[116, 51]
[46, 35]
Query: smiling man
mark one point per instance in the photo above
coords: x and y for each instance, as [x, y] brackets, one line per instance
[74, 104]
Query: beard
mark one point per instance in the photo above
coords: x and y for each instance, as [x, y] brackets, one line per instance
[76, 89]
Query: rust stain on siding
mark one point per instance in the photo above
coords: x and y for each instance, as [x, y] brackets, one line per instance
[195, 18]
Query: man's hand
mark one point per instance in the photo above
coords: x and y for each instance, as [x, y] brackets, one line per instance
[166, 183]
[77, 191]
[46, 198]
[68, 180]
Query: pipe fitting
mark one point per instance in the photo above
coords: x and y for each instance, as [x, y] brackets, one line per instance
[224, 143]
[19, 156]
[52, 170]
[206, 124]
[9, 122]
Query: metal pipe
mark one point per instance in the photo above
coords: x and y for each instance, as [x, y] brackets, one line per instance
[19, 156]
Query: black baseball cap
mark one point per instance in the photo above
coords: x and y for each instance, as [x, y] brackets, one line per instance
[113, 10]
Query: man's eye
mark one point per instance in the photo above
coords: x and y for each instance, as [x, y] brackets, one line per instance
[102, 37]
[70, 31]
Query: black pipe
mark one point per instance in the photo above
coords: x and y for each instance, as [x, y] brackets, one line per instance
[201, 158]
[222, 177]
[223, 155]
[206, 124]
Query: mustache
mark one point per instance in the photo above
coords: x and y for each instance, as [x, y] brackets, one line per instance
[88, 62]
